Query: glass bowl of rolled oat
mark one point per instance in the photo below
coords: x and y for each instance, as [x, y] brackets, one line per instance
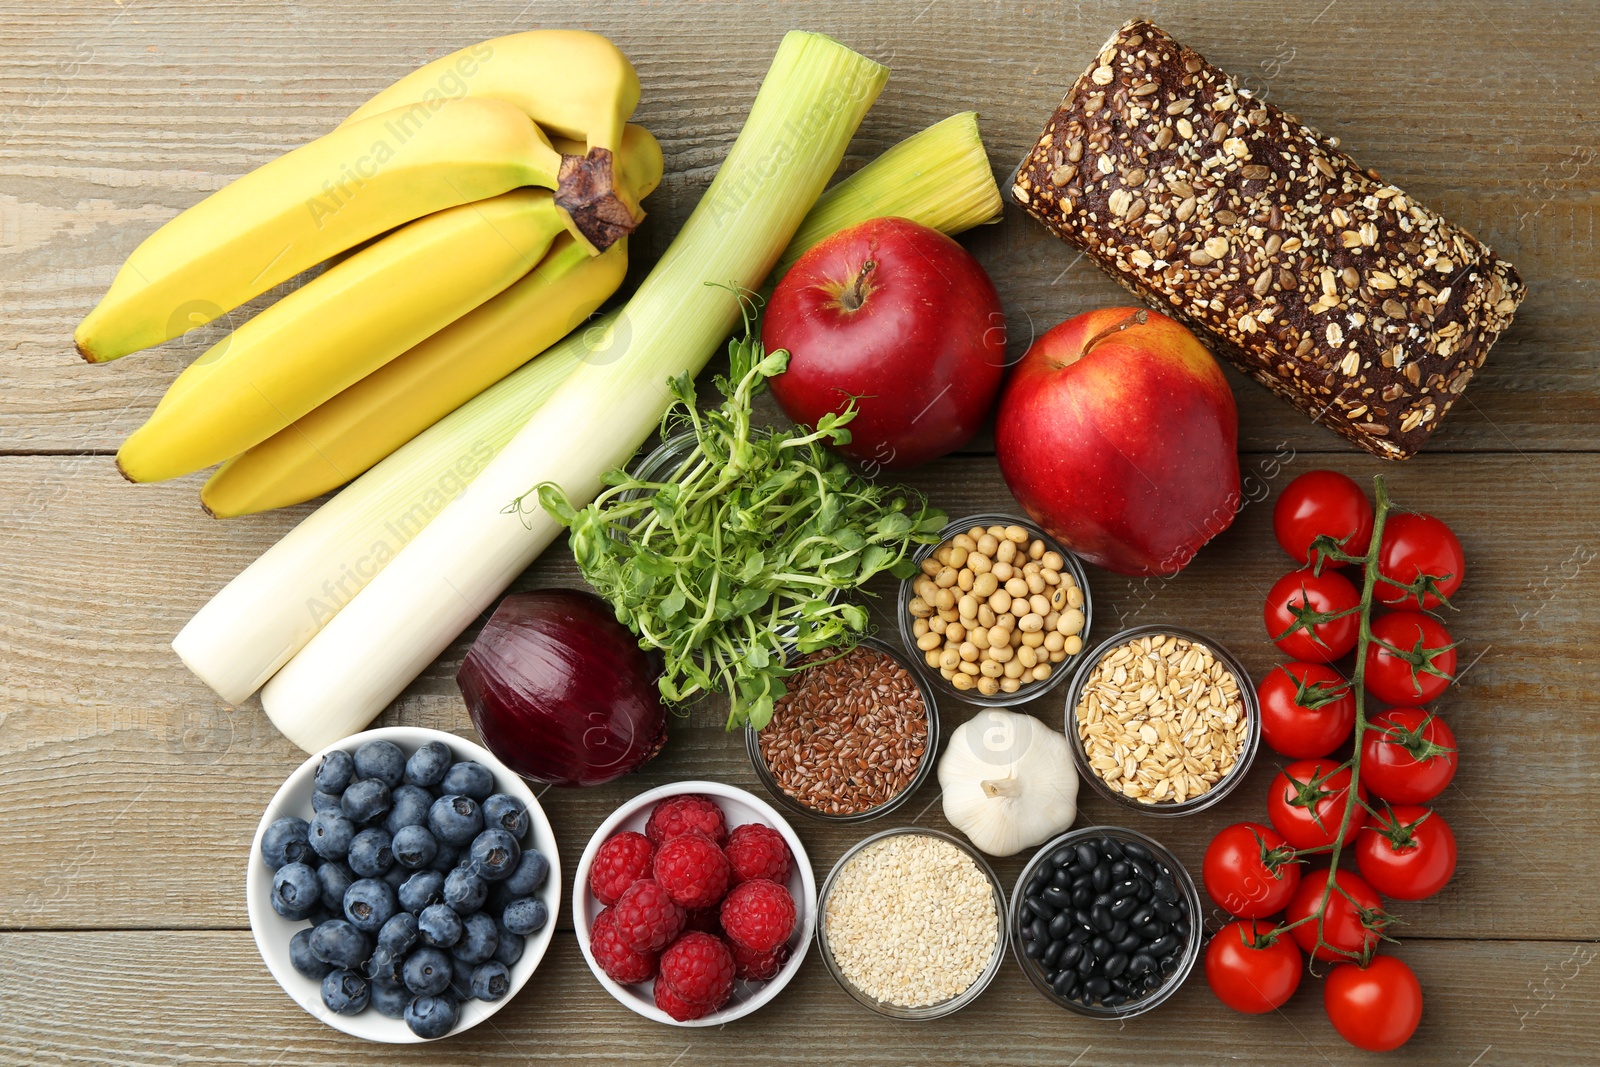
[855, 735]
[912, 923]
[1162, 720]
[998, 611]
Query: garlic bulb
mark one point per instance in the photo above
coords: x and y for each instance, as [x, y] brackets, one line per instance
[1008, 782]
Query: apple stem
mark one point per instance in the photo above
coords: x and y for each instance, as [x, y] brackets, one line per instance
[1138, 318]
[855, 294]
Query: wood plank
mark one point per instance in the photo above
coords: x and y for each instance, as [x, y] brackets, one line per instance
[166, 784]
[120, 120]
[164, 997]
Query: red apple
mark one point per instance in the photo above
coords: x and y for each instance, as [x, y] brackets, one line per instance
[903, 320]
[1117, 433]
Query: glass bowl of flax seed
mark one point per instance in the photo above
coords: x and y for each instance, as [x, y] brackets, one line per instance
[855, 735]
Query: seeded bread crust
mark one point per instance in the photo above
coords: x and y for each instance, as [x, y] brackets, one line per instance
[1334, 289]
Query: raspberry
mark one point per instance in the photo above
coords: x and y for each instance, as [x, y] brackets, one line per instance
[758, 966]
[685, 812]
[693, 870]
[675, 1006]
[706, 920]
[758, 914]
[757, 851]
[620, 862]
[620, 963]
[698, 968]
[647, 919]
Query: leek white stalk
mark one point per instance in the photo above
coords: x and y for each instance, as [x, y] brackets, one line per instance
[939, 177]
[808, 108]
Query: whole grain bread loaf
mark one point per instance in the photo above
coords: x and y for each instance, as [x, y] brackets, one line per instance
[1336, 290]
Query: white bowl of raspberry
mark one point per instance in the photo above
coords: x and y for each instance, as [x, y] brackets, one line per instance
[694, 903]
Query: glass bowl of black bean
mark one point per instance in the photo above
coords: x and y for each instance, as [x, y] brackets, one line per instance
[1105, 922]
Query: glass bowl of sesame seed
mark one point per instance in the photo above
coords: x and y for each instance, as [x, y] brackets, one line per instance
[853, 738]
[1162, 720]
[998, 611]
[912, 923]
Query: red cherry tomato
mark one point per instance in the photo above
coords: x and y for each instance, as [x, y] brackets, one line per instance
[1308, 815]
[1304, 593]
[1421, 670]
[1376, 1007]
[1408, 853]
[1307, 709]
[1408, 756]
[1346, 927]
[1322, 502]
[1414, 545]
[1250, 970]
[1248, 870]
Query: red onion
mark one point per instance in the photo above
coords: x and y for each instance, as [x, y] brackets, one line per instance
[561, 692]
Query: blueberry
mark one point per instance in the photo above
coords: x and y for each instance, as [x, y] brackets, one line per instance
[321, 801]
[421, 889]
[508, 813]
[368, 904]
[295, 891]
[285, 842]
[428, 764]
[330, 833]
[382, 760]
[345, 992]
[494, 855]
[305, 961]
[490, 981]
[370, 854]
[320, 915]
[530, 874]
[386, 965]
[455, 819]
[465, 891]
[509, 950]
[478, 941]
[414, 847]
[408, 806]
[334, 878]
[396, 877]
[469, 779]
[338, 943]
[431, 1017]
[365, 800]
[427, 971]
[440, 926]
[525, 916]
[336, 771]
[447, 858]
[460, 979]
[389, 998]
[400, 933]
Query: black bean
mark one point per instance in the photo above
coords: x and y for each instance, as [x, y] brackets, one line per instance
[1083, 896]
[1038, 929]
[1105, 900]
[1096, 987]
[1062, 856]
[1136, 851]
[1088, 857]
[1152, 929]
[1070, 954]
[1033, 949]
[1168, 911]
[1111, 847]
[1102, 879]
[1121, 985]
[1065, 983]
[1142, 870]
[1087, 964]
[1124, 908]
[1061, 880]
[1052, 954]
[1163, 946]
[1056, 897]
[1116, 965]
[1145, 891]
[1037, 883]
[1101, 919]
[1142, 916]
[1060, 926]
[1141, 963]
[1115, 1000]
[1040, 908]
[1126, 887]
[1119, 870]
[1118, 931]
[1132, 943]
[1083, 917]
[1181, 927]
[1166, 889]
[1100, 948]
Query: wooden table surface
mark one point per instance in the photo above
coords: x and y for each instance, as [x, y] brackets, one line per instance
[129, 792]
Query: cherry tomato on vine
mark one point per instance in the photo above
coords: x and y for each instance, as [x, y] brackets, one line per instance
[1415, 545]
[1322, 502]
[1296, 615]
[1408, 756]
[1308, 815]
[1250, 969]
[1376, 1007]
[1307, 709]
[1249, 870]
[1408, 852]
[1351, 923]
[1422, 668]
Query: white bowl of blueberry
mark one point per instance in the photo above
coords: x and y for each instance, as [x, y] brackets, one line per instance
[403, 885]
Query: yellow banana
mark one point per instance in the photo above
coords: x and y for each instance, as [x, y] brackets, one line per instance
[338, 328]
[363, 424]
[573, 83]
[320, 199]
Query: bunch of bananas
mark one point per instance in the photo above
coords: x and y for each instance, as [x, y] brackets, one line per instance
[473, 213]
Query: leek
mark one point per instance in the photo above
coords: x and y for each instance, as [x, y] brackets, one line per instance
[809, 105]
[939, 177]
